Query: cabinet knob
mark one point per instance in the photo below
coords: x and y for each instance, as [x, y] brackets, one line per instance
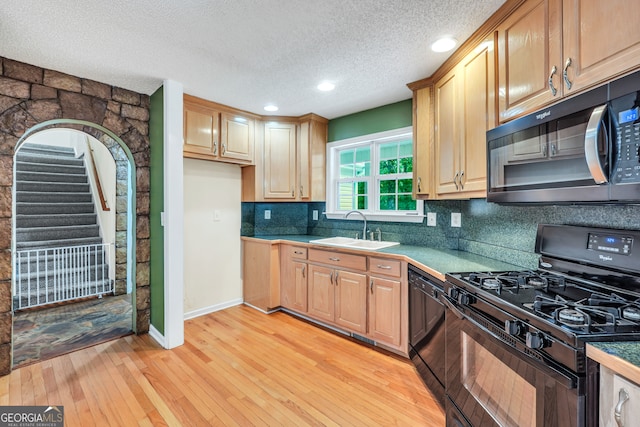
[460, 180]
[371, 285]
[304, 268]
[215, 148]
[419, 184]
[455, 181]
[552, 88]
[301, 192]
[567, 82]
[224, 148]
[384, 267]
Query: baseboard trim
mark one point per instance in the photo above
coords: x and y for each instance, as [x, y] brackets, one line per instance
[211, 309]
[156, 335]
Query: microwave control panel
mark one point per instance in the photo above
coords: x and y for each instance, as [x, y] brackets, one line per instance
[627, 162]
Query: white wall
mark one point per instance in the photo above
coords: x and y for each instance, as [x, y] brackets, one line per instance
[212, 268]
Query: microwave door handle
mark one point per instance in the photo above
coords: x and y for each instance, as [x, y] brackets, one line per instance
[591, 145]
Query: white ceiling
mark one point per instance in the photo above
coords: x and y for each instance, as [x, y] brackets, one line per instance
[245, 53]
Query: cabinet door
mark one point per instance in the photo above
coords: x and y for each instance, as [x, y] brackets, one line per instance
[601, 40]
[351, 300]
[237, 137]
[293, 279]
[280, 161]
[422, 142]
[529, 48]
[321, 293]
[478, 73]
[610, 386]
[261, 274]
[447, 137]
[200, 130]
[384, 310]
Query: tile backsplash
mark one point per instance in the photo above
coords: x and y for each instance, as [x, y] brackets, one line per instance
[502, 232]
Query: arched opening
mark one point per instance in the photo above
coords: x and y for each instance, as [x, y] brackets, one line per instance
[74, 255]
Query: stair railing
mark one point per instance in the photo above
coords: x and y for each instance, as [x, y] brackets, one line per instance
[52, 275]
[96, 176]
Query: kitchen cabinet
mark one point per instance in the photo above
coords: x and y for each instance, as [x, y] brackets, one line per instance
[619, 398]
[260, 274]
[293, 277]
[423, 143]
[291, 166]
[385, 302]
[216, 132]
[464, 111]
[548, 49]
[337, 295]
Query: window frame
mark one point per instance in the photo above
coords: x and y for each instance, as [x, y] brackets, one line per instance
[373, 212]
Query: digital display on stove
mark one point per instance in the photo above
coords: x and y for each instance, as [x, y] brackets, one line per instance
[610, 243]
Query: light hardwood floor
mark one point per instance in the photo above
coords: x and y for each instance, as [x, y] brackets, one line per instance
[237, 367]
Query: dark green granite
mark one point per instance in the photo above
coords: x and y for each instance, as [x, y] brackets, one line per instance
[627, 350]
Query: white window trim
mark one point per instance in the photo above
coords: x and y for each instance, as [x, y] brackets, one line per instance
[332, 162]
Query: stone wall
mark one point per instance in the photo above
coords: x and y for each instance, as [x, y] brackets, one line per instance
[30, 95]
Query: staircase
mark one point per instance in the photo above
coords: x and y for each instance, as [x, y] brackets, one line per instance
[60, 255]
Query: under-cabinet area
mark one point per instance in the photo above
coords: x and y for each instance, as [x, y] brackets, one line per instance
[356, 292]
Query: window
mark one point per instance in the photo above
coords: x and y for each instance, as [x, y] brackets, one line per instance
[373, 174]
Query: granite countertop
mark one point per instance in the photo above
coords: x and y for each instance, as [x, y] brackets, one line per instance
[434, 261]
[621, 357]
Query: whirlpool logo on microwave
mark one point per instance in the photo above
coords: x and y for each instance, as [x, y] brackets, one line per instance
[605, 257]
[543, 115]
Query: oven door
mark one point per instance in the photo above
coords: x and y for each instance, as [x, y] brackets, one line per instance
[493, 384]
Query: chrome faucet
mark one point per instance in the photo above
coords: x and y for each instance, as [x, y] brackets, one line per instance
[364, 218]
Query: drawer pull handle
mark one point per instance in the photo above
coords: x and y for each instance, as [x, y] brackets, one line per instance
[565, 76]
[331, 277]
[623, 396]
[384, 267]
[298, 252]
[336, 259]
[553, 90]
[336, 278]
[371, 285]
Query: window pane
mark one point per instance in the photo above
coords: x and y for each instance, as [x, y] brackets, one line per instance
[406, 203]
[388, 186]
[363, 202]
[346, 171]
[361, 188]
[363, 154]
[406, 165]
[387, 203]
[388, 166]
[405, 149]
[389, 151]
[405, 185]
[363, 169]
[346, 157]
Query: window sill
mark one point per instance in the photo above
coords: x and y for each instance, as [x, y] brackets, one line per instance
[412, 218]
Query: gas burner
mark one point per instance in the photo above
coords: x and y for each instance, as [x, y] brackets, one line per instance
[631, 313]
[490, 284]
[572, 316]
[536, 282]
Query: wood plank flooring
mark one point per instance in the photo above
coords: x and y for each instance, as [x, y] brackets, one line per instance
[238, 367]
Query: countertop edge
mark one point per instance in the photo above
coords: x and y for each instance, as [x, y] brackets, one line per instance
[615, 363]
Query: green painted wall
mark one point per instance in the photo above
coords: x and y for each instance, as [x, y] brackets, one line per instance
[392, 116]
[156, 200]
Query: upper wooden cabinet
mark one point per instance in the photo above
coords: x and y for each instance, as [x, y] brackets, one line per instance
[552, 48]
[423, 143]
[216, 132]
[290, 161]
[464, 110]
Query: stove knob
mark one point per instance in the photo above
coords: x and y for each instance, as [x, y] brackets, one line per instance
[453, 293]
[536, 340]
[465, 299]
[513, 327]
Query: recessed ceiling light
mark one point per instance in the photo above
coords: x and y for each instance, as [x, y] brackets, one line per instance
[271, 108]
[444, 44]
[326, 86]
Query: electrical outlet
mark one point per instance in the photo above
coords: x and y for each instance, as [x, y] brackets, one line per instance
[267, 214]
[431, 219]
[315, 215]
[216, 215]
[456, 219]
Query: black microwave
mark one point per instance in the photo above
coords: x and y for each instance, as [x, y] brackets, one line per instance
[585, 149]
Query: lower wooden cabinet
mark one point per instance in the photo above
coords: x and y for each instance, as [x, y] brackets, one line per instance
[385, 310]
[293, 277]
[619, 400]
[260, 274]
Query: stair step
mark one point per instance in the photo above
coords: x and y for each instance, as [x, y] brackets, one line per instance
[32, 234]
[44, 197]
[43, 244]
[49, 160]
[25, 221]
[38, 208]
[27, 176]
[46, 149]
[53, 187]
[43, 167]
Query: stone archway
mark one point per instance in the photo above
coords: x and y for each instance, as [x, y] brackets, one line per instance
[31, 96]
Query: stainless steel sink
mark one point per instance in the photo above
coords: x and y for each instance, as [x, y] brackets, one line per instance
[348, 242]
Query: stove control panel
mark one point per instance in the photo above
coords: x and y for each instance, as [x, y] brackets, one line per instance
[610, 243]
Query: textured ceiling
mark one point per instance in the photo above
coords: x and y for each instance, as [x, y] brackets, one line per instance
[244, 53]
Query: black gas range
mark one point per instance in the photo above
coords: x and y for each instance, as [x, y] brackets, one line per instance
[586, 288]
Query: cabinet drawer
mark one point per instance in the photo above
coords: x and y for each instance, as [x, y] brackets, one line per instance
[388, 267]
[295, 252]
[356, 262]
